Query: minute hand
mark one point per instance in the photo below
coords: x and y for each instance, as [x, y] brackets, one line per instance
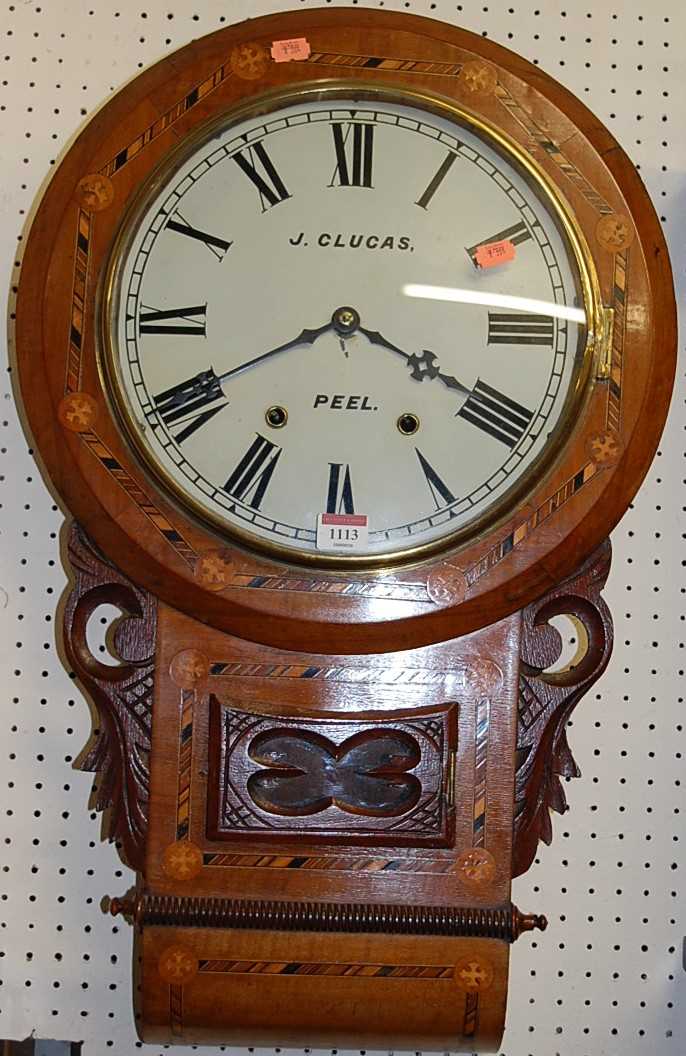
[423, 366]
[307, 337]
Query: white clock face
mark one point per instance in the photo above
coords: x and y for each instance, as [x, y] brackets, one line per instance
[307, 322]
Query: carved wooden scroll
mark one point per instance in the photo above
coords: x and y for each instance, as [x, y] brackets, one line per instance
[123, 694]
[546, 700]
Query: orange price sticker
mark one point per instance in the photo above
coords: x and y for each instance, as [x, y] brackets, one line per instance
[492, 253]
[296, 49]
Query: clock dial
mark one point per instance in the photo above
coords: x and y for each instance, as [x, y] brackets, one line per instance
[303, 319]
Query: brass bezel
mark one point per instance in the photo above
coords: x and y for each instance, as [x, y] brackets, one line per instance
[108, 301]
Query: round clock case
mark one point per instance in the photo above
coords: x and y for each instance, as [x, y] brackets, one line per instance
[92, 221]
[271, 434]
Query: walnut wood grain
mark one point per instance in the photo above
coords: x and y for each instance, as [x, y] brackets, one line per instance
[307, 650]
[461, 695]
[201, 985]
[122, 694]
[546, 700]
[457, 700]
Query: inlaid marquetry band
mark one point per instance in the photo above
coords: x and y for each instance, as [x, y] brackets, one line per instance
[256, 63]
[126, 482]
[378, 589]
[381, 63]
[515, 538]
[470, 677]
[176, 1010]
[337, 863]
[470, 1024]
[614, 401]
[166, 120]
[428, 972]
[183, 797]
[82, 250]
[542, 140]
[483, 729]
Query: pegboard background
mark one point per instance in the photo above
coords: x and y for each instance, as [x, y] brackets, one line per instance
[607, 976]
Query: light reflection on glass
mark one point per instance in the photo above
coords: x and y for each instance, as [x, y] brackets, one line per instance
[495, 300]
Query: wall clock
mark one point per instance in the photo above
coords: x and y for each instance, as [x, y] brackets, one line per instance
[347, 337]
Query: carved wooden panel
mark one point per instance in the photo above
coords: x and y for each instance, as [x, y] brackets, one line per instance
[122, 694]
[547, 700]
[381, 780]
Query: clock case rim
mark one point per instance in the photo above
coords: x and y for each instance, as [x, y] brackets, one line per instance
[339, 630]
[587, 355]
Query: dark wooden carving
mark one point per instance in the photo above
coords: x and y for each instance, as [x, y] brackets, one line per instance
[547, 700]
[305, 773]
[370, 780]
[123, 694]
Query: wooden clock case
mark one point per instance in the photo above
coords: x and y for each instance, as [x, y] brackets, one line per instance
[388, 888]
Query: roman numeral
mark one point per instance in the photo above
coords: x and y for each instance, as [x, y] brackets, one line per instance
[250, 479]
[439, 490]
[496, 414]
[519, 328]
[218, 246]
[173, 321]
[189, 404]
[340, 495]
[438, 179]
[354, 145]
[516, 234]
[269, 184]
[195, 422]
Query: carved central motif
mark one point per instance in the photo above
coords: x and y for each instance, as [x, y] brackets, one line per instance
[366, 774]
[368, 778]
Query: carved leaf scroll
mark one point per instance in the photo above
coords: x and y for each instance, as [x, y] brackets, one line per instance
[123, 694]
[547, 699]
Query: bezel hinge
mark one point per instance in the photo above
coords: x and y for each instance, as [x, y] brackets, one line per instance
[607, 324]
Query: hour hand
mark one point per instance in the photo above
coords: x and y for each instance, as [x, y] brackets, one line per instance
[422, 367]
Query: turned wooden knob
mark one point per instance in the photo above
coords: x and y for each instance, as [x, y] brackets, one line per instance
[522, 922]
[126, 907]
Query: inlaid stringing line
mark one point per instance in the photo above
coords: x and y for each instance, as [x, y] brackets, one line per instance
[138, 496]
[553, 503]
[183, 804]
[483, 715]
[542, 140]
[614, 398]
[116, 164]
[176, 1010]
[84, 231]
[427, 972]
